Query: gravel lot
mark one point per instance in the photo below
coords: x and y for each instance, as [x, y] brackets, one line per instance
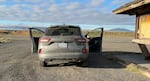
[18, 64]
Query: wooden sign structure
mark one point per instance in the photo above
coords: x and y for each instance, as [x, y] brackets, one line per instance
[140, 8]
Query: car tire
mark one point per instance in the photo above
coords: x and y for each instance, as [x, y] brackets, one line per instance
[43, 64]
[83, 64]
[31, 48]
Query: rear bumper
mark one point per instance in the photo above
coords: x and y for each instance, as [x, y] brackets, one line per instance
[63, 56]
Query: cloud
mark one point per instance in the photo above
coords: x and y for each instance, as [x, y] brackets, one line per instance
[66, 12]
[74, 5]
[120, 2]
[96, 2]
[32, 1]
[2, 0]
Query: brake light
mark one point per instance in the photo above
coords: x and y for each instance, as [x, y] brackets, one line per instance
[84, 50]
[40, 51]
[44, 40]
[82, 40]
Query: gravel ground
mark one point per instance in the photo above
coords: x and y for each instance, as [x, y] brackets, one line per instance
[18, 64]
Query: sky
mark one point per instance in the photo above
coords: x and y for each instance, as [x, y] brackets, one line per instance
[47, 12]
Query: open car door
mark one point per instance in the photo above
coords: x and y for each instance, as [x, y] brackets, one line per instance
[35, 34]
[95, 40]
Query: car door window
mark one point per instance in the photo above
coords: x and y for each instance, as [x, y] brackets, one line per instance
[95, 36]
[35, 34]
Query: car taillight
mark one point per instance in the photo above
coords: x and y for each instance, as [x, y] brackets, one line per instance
[84, 50]
[44, 40]
[80, 40]
[40, 51]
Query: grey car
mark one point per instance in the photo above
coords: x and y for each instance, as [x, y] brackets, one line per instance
[64, 43]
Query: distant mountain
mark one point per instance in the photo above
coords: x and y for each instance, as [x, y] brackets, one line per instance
[120, 30]
[18, 27]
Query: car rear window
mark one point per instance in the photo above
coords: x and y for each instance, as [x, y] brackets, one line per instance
[63, 31]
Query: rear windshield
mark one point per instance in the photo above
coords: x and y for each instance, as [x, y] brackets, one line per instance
[63, 31]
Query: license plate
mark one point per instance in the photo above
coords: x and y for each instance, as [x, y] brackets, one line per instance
[62, 45]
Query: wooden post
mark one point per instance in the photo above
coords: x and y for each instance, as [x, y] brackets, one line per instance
[145, 51]
[137, 27]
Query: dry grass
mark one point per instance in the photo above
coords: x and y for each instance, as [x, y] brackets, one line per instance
[9, 32]
[125, 34]
[26, 33]
[133, 68]
[4, 40]
[107, 33]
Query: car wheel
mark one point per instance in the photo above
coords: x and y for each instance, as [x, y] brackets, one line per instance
[43, 64]
[31, 48]
[83, 64]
